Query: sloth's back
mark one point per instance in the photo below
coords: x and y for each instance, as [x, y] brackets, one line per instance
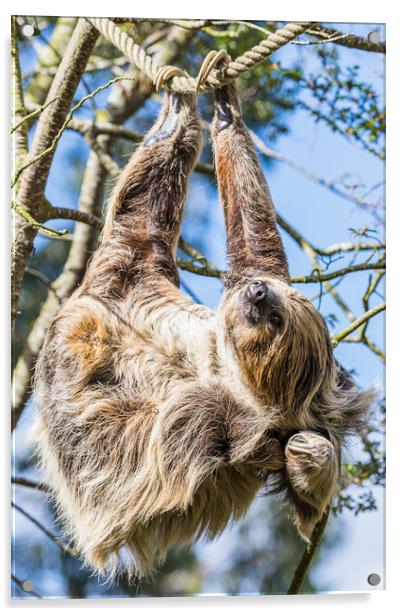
[106, 371]
[132, 402]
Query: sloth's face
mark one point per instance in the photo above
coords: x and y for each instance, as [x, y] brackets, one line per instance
[278, 339]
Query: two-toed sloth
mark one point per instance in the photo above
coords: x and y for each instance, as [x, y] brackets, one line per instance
[160, 420]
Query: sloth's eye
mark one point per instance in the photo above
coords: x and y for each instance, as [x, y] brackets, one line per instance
[276, 319]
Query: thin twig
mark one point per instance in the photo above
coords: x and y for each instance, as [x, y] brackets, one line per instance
[27, 483]
[33, 114]
[37, 225]
[308, 555]
[356, 324]
[206, 270]
[331, 186]
[321, 277]
[350, 40]
[20, 583]
[47, 532]
[55, 141]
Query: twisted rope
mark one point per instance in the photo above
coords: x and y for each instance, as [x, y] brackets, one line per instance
[243, 63]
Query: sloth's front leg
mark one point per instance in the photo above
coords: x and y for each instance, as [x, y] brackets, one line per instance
[253, 241]
[199, 433]
[312, 465]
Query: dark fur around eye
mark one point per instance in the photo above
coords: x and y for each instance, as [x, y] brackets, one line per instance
[276, 319]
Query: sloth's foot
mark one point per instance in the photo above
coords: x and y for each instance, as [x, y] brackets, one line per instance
[311, 462]
[268, 457]
[176, 105]
[313, 469]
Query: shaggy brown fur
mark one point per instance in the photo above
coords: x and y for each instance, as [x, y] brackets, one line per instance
[160, 420]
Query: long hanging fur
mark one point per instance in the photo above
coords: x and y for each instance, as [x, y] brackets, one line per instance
[159, 420]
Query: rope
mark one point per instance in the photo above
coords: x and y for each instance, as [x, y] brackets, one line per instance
[243, 63]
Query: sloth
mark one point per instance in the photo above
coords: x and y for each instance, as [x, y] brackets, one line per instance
[159, 420]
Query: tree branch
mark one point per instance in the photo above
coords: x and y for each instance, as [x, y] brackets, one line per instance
[52, 146]
[34, 224]
[206, 270]
[321, 277]
[78, 215]
[331, 186]
[27, 483]
[83, 244]
[49, 58]
[33, 180]
[104, 157]
[348, 40]
[33, 114]
[20, 140]
[47, 532]
[356, 324]
[103, 128]
[308, 555]
[20, 584]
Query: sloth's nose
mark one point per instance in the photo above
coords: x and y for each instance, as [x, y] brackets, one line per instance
[257, 292]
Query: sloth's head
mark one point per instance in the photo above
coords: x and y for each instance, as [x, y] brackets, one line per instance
[281, 345]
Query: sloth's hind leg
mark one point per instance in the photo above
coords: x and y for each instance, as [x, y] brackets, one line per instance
[143, 219]
[169, 120]
[312, 466]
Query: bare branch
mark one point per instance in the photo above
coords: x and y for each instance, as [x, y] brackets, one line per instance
[368, 343]
[20, 141]
[52, 146]
[348, 247]
[103, 128]
[331, 186]
[206, 270]
[372, 286]
[33, 114]
[84, 242]
[48, 61]
[34, 179]
[20, 584]
[356, 324]
[66, 213]
[43, 528]
[31, 222]
[27, 483]
[106, 160]
[308, 555]
[196, 255]
[347, 40]
[321, 277]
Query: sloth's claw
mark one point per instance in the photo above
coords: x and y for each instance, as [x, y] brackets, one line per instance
[223, 111]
